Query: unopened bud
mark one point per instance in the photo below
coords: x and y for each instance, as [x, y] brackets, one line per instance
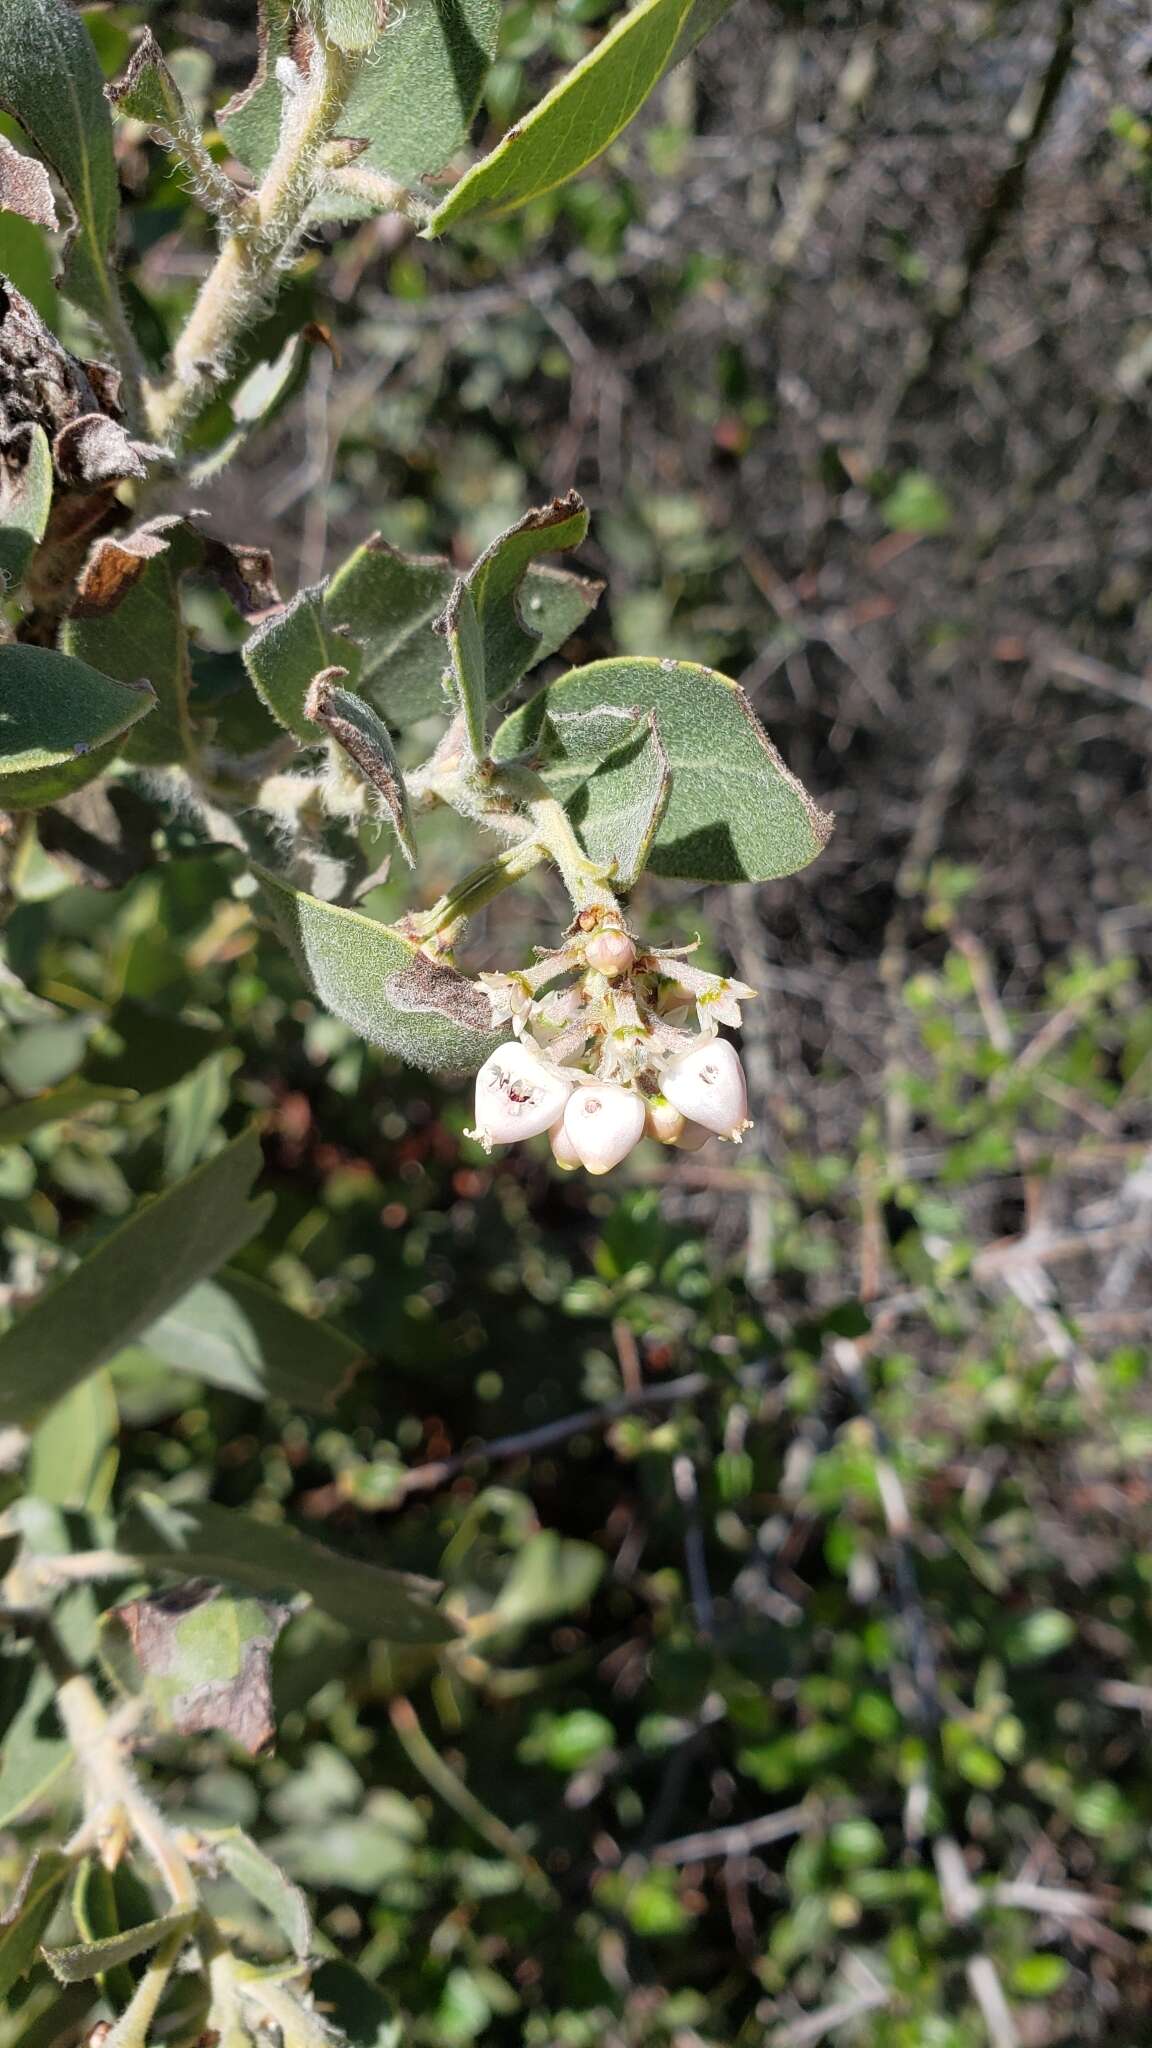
[610, 952]
[707, 1085]
[603, 1123]
[517, 1095]
[563, 1150]
[662, 1122]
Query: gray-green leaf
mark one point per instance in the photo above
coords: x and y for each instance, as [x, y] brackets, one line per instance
[79, 1960]
[132, 625]
[413, 101]
[240, 1859]
[50, 80]
[578, 119]
[55, 711]
[26, 1919]
[735, 813]
[620, 783]
[34, 1755]
[19, 1120]
[25, 498]
[389, 603]
[552, 1575]
[466, 670]
[197, 1539]
[380, 983]
[362, 735]
[163, 1248]
[234, 1332]
[285, 655]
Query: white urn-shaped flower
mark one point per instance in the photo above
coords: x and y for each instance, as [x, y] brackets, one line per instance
[602, 1123]
[707, 1086]
[518, 1095]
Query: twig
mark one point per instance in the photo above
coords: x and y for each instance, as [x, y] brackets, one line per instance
[988, 1992]
[744, 1836]
[429, 1478]
[847, 1357]
[455, 1793]
[699, 1586]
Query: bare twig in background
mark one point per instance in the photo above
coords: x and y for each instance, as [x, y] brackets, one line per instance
[742, 1838]
[988, 1992]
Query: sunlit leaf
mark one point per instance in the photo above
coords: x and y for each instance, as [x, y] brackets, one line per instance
[582, 114]
[380, 983]
[735, 813]
[51, 81]
[234, 1332]
[134, 1275]
[197, 1539]
[56, 712]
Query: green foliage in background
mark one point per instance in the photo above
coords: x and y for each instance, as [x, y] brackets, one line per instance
[442, 1603]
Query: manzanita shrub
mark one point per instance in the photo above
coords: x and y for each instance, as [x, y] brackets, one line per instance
[602, 771]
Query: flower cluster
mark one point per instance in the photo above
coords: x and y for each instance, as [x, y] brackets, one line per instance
[602, 1053]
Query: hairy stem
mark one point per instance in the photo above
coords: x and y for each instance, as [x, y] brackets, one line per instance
[110, 1784]
[244, 274]
[134, 2027]
[475, 890]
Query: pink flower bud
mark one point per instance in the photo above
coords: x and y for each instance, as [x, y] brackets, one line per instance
[603, 1124]
[517, 1095]
[610, 951]
[692, 1137]
[707, 1085]
[662, 1122]
[563, 1150]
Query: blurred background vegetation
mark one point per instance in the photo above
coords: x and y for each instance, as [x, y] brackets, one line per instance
[809, 1690]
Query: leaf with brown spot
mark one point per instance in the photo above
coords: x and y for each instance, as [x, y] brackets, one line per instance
[96, 450]
[363, 736]
[128, 616]
[25, 187]
[115, 564]
[200, 1660]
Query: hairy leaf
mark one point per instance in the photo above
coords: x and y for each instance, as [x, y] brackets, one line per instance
[497, 581]
[79, 1960]
[288, 651]
[240, 1859]
[23, 1925]
[380, 983]
[363, 736]
[234, 1332]
[197, 1539]
[466, 674]
[353, 25]
[50, 80]
[735, 813]
[25, 498]
[55, 713]
[413, 101]
[134, 1275]
[128, 619]
[580, 116]
[617, 807]
[389, 603]
[34, 1755]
